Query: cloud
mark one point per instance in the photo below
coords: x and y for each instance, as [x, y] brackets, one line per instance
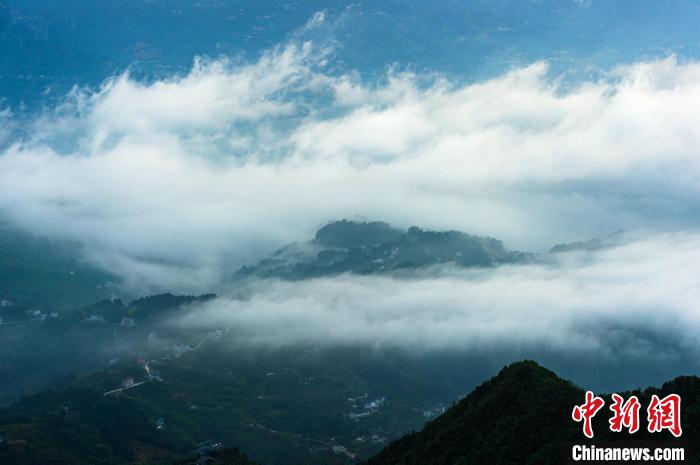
[632, 310]
[168, 183]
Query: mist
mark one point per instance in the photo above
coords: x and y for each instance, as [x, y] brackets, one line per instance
[632, 307]
[170, 183]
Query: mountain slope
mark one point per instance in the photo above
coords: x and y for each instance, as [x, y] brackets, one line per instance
[282, 407]
[376, 247]
[522, 416]
[41, 348]
[36, 271]
[81, 426]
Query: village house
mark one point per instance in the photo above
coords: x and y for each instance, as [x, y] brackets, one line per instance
[375, 404]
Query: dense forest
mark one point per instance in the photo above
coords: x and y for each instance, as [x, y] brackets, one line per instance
[523, 416]
[520, 416]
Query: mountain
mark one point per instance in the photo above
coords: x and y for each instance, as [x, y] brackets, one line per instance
[520, 416]
[523, 416]
[598, 243]
[77, 426]
[352, 234]
[143, 310]
[228, 456]
[376, 247]
[51, 275]
[82, 426]
[280, 406]
[41, 347]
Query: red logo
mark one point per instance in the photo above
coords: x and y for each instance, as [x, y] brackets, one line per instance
[662, 414]
[665, 414]
[625, 414]
[587, 411]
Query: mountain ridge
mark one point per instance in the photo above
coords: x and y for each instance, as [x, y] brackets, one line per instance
[503, 422]
[522, 415]
[374, 247]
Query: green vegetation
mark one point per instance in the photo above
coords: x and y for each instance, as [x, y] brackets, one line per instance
[230, 456]
[149, 309]
[143, 390]
[350, 234]
[523, 416]
[305, 405]
[77, 426]
[51, 275]
[285, 416]
[592, 244]
[43, 348]
[374, 247]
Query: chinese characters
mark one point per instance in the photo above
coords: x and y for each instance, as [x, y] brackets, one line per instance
[662, 414]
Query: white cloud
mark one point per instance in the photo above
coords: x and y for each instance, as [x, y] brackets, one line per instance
[637, 301]
[165, 181]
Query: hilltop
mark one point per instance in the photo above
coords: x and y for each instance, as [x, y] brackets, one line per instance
[523, 416]
[376, 247]
[520, 416]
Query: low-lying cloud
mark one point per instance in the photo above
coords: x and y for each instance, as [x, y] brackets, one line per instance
[168, 183]
[634, 302]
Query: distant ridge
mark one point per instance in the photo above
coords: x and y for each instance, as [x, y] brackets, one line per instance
[375, 247]
[35, 270]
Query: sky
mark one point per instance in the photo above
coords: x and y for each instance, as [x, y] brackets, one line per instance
[231, 160]
[170, 182]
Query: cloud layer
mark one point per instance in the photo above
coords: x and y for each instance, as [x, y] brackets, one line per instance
[637, 300]
[169, 182]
